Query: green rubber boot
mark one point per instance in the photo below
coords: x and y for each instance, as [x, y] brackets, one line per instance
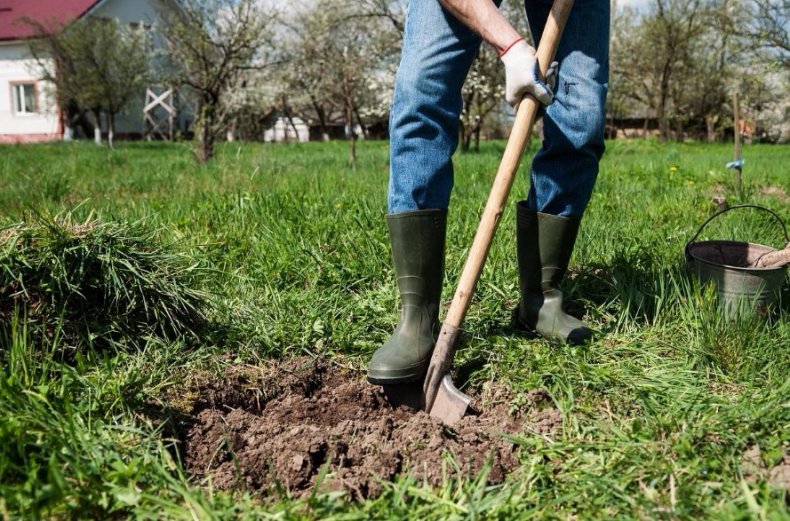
[544, 244]
[417, 240]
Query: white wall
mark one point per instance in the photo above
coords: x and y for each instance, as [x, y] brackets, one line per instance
[283, 131]
[16, 64]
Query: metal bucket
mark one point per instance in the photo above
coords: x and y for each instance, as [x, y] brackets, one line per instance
[741, 289]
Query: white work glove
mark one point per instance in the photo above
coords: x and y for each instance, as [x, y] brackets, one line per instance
[522, 75]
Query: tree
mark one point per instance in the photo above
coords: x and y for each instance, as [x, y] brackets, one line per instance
[705, 78]
[763, 29]
[767, 26]
[97, 64]
[302, 80]
[335, 65]
[211, 46]
[649, 60]
[677, 61]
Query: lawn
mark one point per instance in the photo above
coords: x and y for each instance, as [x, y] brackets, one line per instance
[223, 275]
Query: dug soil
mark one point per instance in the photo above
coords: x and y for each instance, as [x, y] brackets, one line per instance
[306, 423]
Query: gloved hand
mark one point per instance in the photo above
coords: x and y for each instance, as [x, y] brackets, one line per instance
[522, 75]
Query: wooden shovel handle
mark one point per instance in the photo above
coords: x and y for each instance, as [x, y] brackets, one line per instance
[508, 168]
[519, 136]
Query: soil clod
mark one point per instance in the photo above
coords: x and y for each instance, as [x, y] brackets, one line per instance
[303, 425]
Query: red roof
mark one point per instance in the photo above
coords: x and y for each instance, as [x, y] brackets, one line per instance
[50, 13]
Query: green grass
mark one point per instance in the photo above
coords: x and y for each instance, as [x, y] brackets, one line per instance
[292, 245]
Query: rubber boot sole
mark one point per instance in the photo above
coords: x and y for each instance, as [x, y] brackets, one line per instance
[405, 376]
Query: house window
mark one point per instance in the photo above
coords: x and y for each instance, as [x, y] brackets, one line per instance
[24, 98]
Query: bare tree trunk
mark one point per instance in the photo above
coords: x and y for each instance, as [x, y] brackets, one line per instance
[665, 80]
[72, 120]
[321, 113]
[364, 130]
[84, 123]
[353, 151]
[110, 129]
[481, 114]
[351, 134]
[352, 139]
[293, 126]
[204, 149]
[614, 124]
[97, 127]
[679, 131]
[291, 122]
[466, 123]
[463, 137]
[663, 122]
[710, 128]
[289, 118]
[230, 135]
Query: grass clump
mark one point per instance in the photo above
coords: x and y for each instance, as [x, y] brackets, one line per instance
[100, 284]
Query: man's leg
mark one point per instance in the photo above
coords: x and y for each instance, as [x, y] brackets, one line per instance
[437, 53]
[565, 169]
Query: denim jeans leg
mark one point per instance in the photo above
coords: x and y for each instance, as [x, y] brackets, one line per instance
[565, 168]
[438, 51]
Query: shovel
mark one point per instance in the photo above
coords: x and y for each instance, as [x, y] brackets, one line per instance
[441, 398]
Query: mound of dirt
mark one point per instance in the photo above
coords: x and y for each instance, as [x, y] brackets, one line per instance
[305, 423]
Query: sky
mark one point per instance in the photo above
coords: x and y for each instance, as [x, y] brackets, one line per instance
[636, 4]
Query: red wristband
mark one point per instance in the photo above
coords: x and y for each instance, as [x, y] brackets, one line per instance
[506, 49]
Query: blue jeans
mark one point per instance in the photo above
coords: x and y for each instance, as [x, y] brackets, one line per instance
[438, 51]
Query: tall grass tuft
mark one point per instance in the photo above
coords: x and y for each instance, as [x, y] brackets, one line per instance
[101, 284]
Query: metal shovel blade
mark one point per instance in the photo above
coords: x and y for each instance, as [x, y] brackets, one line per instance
[450, 404]
[442, 398]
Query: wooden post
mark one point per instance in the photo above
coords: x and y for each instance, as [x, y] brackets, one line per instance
[736, 114]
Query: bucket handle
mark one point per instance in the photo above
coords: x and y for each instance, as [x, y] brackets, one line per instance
[757, 206]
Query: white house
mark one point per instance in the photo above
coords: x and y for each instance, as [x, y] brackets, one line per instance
[28, 111]
[283, 130]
